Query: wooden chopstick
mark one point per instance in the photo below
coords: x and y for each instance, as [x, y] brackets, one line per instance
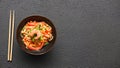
[11, 35]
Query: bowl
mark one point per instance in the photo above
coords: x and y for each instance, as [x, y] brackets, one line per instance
[46, 48]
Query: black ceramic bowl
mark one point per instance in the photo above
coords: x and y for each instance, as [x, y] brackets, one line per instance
[46, 48]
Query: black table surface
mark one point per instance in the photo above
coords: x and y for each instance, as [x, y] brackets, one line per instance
[88, 33]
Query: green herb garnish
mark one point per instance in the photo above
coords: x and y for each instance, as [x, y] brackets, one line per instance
[46, 43]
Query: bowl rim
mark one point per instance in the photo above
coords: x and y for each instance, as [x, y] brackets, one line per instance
[18, 35]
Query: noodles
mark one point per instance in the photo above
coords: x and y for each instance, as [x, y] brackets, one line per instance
[36, 35]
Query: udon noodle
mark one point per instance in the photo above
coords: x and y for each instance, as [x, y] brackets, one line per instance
[36, 35]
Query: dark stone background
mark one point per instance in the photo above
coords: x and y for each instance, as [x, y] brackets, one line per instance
[88, 33]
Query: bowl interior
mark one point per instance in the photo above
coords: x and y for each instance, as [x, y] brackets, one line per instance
[46, 48]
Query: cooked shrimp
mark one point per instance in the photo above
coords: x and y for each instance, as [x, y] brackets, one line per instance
[37, 32]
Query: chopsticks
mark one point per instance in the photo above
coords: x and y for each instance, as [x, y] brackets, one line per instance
[11, 35]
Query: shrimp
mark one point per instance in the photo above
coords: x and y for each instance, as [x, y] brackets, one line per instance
[37, 32]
